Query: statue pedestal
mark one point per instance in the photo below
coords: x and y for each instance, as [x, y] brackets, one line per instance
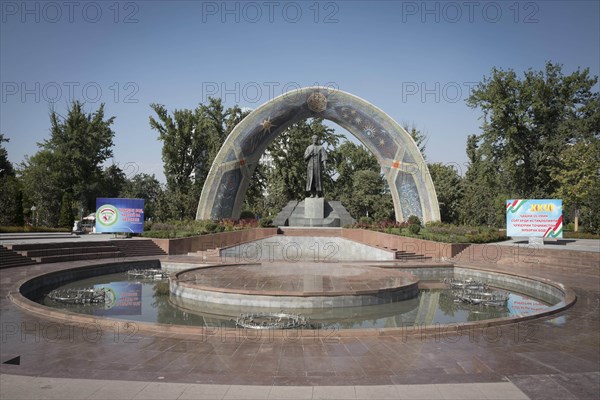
[314, 211]
[314, 207]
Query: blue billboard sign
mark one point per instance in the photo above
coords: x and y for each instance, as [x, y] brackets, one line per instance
[115, 215]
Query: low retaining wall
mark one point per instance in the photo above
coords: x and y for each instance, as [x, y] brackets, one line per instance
[427, 248]
[385, 241]
[212, 241]
[435, 250]
[537, 257]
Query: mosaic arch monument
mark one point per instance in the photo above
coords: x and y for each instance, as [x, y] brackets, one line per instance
[400, 159]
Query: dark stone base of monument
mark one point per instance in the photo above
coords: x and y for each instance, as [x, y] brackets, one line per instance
[314, 212]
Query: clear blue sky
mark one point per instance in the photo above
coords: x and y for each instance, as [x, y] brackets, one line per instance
[414, 60]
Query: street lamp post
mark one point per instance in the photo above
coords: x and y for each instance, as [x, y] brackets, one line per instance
[33, 208]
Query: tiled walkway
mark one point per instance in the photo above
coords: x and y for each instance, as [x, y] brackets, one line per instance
[554, 357]
[24, 387]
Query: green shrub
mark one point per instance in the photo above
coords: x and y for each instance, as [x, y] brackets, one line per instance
[414, 228]
[265, 222]
[366, 220]
[414, 220]
[211, 227]
[580, 235]
[247, 214]
[162, 226]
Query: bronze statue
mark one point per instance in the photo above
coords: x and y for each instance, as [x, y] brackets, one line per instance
[314, 155]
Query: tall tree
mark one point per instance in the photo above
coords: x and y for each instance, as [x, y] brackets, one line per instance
[350, 158]
[11, 196]
[449, 190]
[46, 197]
[147, 187]
[418, 136]
[66, 211]
[527, 124]
[578, 178]
[113, 181]
[191, 140]
[368, 198]
[482, 202]
[80, 143]
[529, 121]
[70, 161]
[6, 167]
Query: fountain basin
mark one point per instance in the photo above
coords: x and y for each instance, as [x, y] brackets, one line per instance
[296, 285]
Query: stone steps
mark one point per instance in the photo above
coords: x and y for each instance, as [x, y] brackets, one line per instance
[86, 250]
[79, 256]
[67, 250]
[9, 258]
[138, 248]
[408, 256]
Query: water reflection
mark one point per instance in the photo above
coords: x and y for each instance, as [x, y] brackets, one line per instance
[432, 306]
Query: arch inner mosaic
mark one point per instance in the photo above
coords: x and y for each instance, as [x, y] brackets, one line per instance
[401, 161]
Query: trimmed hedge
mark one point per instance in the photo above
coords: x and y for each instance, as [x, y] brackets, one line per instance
[187, 228]
[437, 231]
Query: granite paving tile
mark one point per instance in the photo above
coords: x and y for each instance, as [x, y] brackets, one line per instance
[541, 387]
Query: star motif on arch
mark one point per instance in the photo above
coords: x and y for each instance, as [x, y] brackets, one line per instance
[267, 125]
[369, 130]
[358, 120]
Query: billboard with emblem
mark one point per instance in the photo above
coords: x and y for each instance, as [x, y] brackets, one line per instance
[534, 218]
[115, 215]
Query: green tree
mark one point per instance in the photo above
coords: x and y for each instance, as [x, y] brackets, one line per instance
[191, 139]
[482, 202]
[113, 181]
[449, 190]
[11, 196]
[367, 198]
[80, 143]
[19, 219]
[255, 200]
[578, 178]
[70, 161]
[350, 158]
[6, 167]
[147, 187]
[66, 211]
[43, 186]
[418, 136]
[527, 123]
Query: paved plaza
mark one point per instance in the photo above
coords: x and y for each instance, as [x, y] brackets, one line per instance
[550, 357]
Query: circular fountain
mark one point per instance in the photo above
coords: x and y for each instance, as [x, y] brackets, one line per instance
[343, 295]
